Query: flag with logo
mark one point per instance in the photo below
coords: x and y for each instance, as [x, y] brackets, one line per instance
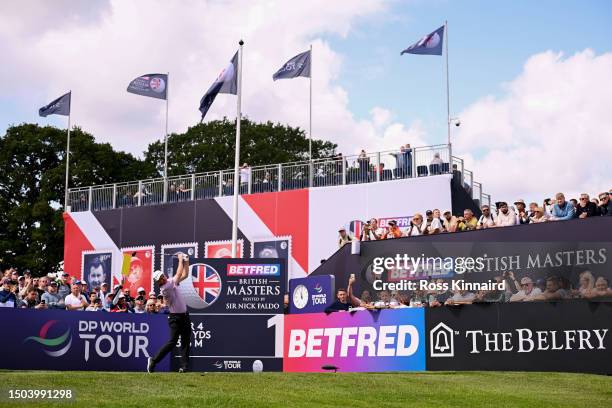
[226, 82]
[152, 85]
[60, 106]
[431, 44]
[298, 66]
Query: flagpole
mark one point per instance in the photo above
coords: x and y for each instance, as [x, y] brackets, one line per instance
[310, 111]
[166, 136]
[237, 154]
[67, 159]
[448, 117]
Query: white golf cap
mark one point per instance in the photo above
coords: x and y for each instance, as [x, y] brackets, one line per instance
[447, 211]
[157, 274]
[140, 289]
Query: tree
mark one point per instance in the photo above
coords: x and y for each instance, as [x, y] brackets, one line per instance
[32, 166]
[210, 146]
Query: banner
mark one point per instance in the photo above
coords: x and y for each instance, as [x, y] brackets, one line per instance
[387, 340]
[571, 337]
[151, 85]
[235, 285]
[62, 340]
[96, 268]
[141, 266]
[218, 343]
[312, 294]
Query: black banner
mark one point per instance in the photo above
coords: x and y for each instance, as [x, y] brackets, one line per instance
[562, 336]
[234, 342]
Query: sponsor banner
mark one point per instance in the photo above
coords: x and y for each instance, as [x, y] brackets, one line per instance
[97, 268]
[61, 340]
[387, 340]
[215, 345]
[573, 337]
[238, 285]
[312, 294]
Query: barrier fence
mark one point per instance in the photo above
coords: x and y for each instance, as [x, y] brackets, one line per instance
[375, 167]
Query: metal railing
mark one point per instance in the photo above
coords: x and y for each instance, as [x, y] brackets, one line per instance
[339, 170]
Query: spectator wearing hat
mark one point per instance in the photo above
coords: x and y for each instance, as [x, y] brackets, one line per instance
[343, 237]
[486, 220]
[506, 217]
[521, 212]
[605, 207]
[139, 304]
[586, 208]
[52, 298]
[63, 287]
[526, 290]
[121, 306]
[562, 210]
[7, 297]
[85, 288]
[417, 226]
[141, 292]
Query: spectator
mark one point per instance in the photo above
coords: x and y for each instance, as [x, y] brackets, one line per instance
[371, 231]
[393, 230]
[602, 289]
[538, 216]
[586, 284]
[103, 291]
[585, 207]
[7, 297]
[84, 289]
[95, 305]
[23, 285]
[486, 219]
[30, 301]
[449, 221]
[505, 217]
[574, 202]
[153, 296]
[468, 222]
[343, 238]
[52, 297]
[43, 285]
[562, 210]
[605, 208]
[553, 290]
[139, 306]
[436, 159]
[532, 208]
[141, 292]
[75, 300]
[245, 174]
[364, 166]
[63, 287]
[521, 213]
[162, 306]
[526, 290]
[417, 227]
[366, 297]
[151, 306]
[126, 296]
[436, 226]
[121, 306]
[547, 205]
[400, 163]
[343, 302]
[461, 297]
[408, 160]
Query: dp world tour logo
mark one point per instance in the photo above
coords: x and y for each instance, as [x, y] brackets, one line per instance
[54, 346]
[318, 288]
[202, 287]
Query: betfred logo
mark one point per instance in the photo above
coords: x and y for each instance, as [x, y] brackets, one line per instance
[365, 341]
[253, 270]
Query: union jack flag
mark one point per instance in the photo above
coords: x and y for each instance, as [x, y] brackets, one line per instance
[206, 282]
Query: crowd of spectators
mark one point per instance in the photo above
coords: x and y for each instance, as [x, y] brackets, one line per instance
[62, 291]
[525, 289]
[502, 215]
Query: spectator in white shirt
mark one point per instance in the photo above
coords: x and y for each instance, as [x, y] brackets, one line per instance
[526, 290]
[75, 300]
[436, 226]
[505, 217]
[436, 159]
[245, 173]
[417, 227]
[486, 220]
[538, 216]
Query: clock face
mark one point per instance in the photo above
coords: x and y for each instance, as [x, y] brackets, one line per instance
[300, 296]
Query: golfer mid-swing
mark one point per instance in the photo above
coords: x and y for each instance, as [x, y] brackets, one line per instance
[178, 319]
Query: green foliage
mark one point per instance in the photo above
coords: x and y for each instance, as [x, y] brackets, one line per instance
[210, 146]
[32, 171]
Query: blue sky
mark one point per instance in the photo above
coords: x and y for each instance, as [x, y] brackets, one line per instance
[488, 44]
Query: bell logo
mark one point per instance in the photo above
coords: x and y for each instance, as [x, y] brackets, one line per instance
[441, 341]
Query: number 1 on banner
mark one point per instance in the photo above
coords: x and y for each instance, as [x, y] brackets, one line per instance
[278, 321]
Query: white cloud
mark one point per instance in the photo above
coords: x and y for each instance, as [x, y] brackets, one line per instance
[95, 50]
[550, 132]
